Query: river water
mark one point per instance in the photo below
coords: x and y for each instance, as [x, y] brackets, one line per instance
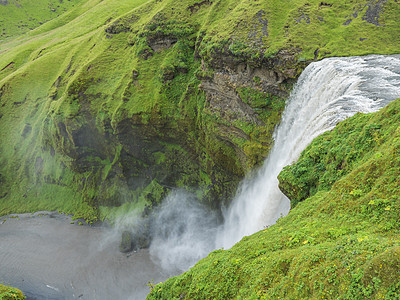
[47, 257]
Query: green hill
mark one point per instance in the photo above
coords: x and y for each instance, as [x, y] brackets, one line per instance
[19, 16]
[109, 105]
[115, 102]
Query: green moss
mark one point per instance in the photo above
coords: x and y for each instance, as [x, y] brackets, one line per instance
[9, 293]
[19, 17]
[334, 154]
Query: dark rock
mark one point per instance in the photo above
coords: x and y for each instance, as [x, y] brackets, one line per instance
[9, 65]
[162, 44]
[126, 242]
[195, 7]
[316, 52]
[303, 17]
[27, 130]
[116, 28]
[371, 15]
[168, 75]
[373, 12]
[263, 22]
[347, 22]
[261, 25]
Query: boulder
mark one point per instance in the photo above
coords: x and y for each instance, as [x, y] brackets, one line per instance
[126, 242]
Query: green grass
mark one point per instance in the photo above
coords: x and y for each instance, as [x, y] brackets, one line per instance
[9, 293]
[362, 140]
[340, 243]
[17, 17]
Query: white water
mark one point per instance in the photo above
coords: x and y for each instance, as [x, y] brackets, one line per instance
[326, 93]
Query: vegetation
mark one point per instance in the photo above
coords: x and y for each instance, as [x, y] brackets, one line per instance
[108, 105]
[340, 242]
[114, 98]
[363, 139]
[20, 16]
[8, 293]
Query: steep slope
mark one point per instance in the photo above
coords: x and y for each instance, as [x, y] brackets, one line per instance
[116, 102]
[19, 16]
[342, 242]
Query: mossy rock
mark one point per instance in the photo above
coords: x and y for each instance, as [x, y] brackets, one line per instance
[10, 293]
[126, 242]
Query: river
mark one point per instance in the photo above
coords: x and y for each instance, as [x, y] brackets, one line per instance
[47, 257]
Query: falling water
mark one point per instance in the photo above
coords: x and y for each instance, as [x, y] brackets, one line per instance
[326, 93]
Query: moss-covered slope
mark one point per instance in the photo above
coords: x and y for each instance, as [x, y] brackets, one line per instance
[117, 102]
[9, 293]
[334, 155]
[341, 243]
[19, 16]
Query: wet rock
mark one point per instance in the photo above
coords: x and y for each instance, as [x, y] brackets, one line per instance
[134, 240]
[140, 241]
[126, 242]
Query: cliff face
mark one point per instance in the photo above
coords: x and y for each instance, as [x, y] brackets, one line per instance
[120, 102]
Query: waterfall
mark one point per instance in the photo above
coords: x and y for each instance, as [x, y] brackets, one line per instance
[34, 250]
[326, 93]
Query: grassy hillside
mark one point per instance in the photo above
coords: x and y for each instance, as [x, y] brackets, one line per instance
[341, 241]
[116, 102]
[19, 16]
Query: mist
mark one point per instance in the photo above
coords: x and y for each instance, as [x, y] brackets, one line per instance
[181, 230]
